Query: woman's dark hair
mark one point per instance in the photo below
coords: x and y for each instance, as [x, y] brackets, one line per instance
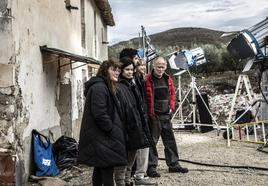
[125, 61]
[103, 71]
[128, 52]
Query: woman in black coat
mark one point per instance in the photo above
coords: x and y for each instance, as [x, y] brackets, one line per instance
[102, 137]
[129, 97]
[130, 101]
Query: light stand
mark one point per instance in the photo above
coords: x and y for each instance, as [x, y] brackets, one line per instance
[143, 35]
[194, 90]
[179, 109]
[149, 52]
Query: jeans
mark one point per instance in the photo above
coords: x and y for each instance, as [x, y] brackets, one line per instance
[122, 174]
[142, 158]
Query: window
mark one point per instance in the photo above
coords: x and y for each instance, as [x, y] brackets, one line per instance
[104, 36]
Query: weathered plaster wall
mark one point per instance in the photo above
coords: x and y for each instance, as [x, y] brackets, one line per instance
[38, 23]
[29, 91]
[8, 91]
[94, 43]
[97, 50]
[5, 30]
[43, 23]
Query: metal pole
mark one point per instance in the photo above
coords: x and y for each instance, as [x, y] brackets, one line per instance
[139, 40]
[185, 97]
[179, 87]
[193, 100]
[143, 33]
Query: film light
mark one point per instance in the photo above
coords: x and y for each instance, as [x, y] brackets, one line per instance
[184, 59]
[250, 43]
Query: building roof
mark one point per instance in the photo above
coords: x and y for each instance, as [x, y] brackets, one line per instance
[106, 11]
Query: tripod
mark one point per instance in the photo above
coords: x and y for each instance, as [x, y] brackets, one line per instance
[179, 113]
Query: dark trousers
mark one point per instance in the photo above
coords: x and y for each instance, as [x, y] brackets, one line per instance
[161, 126]
[103, 176]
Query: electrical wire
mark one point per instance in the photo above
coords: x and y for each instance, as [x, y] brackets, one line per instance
[228, 171]
[217, 165]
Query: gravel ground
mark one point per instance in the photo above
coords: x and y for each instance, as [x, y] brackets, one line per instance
[212, 149]
[203, 148]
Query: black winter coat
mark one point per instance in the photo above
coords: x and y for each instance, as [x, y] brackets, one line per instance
[141, 87]
[128, 95]
[102, 139]
[142, 106]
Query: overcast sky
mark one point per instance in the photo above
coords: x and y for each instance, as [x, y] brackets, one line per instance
[161, 15]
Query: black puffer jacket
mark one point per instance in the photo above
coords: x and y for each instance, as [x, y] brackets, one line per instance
[142, 105]
[136, 138]
[141, 87]
[102, 139]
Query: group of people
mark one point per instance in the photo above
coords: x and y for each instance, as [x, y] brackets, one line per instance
[125, 113]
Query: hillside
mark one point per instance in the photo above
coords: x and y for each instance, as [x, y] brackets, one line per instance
[175, 39]
[188, 36]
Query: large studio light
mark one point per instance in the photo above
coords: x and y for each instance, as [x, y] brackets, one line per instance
[184, 59]
[250, 43]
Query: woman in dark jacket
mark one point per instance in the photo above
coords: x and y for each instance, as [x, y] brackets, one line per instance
[129, 97]
[102, 137]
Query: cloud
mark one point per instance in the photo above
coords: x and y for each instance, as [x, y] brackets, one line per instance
[216, 10]
[161, 15]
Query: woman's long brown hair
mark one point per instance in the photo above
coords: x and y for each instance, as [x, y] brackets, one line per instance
[103, 71]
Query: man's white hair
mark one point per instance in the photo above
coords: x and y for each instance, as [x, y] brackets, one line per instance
[160, 58]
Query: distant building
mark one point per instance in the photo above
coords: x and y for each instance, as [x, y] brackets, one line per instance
[48, 49]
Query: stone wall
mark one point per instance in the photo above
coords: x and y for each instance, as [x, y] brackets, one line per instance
[8, 115]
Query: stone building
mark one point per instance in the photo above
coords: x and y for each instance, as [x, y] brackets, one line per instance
[48, 49]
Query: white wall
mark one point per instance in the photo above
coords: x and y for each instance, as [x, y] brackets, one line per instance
[37, 23]
[102, 50]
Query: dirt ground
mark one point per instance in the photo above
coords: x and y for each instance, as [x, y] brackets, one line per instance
[203, 148]
[212, 149]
